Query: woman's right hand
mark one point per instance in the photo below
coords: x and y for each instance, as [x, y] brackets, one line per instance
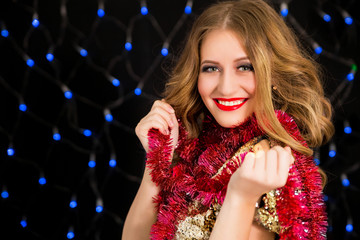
[162, 117]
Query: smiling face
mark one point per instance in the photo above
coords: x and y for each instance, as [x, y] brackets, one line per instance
[226, 81]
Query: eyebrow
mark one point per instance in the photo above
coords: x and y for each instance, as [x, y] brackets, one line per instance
[215, 62]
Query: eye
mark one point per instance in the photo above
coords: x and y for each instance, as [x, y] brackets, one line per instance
[246, 67]
[209, 69]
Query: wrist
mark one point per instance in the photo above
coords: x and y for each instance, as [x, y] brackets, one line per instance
[236, 199]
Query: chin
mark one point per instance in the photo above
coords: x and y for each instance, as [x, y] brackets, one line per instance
[229, 124]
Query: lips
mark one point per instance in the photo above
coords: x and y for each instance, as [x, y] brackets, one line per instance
[229, 104]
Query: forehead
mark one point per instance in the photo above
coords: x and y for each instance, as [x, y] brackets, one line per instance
[222, 42]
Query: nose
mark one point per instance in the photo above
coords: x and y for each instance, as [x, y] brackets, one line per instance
[226, 84]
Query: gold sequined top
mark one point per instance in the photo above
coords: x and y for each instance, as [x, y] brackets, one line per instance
[199, 226]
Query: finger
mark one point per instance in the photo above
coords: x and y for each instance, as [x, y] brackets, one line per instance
[285, 159]
[156, 123]
[164, 105]
[288, 149]
[272, 163]
[164, 114]
[249, 161]
[260, 162]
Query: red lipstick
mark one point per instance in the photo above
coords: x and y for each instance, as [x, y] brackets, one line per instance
[227, 104]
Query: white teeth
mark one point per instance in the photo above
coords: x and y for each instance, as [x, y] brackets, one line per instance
[232, 103]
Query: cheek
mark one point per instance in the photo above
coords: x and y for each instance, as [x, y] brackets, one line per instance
[202, 87]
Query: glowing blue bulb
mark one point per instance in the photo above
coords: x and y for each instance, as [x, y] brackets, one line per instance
[116, 82]
[4, 33]
[187, 9]
[87, 132]
[23, 223]
[42, 181]
[83, 52]
[100, 12]
[92, 164]
[50, 57]
[10, 151]
[347, 130]
[30, 62]
[332, 153]
[326, 198]
[144, 11]
[4, 194]
[56, 136]
[108, 117]
[317, 161]
[164, 52]
[70, 235]
[128, 46]
[284, 12]
[348, 20]
[112, 163]
[318, 50]
[327, 18]
[350, 76]
[99, 209]
[137, 91]
[345, 182]
[73, 204]
[22, 107]
[35, 23]
[68, 94]
[349, 227]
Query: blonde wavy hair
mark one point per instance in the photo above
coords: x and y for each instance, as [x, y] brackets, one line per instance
[278, 60]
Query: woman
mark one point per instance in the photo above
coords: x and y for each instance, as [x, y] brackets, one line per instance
[229, 148]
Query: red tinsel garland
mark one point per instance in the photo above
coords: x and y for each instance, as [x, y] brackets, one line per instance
[299, 203]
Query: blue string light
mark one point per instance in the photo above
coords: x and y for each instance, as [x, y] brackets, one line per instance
[4, 33]
[349, 228]
[137, 91]
[30, 62]
[318, 50]
[4, 194]
[144, 10]
[350, 76]
[116, 82]
[73, 204]
[128, 46]
[317, 161]
[92, 164]
[35, 22]
[188, 9]
[57, 136]
[112, 163]
[164, 52]
[23, 223]
[327, 17]
[87, 132]
[345, 182]
[70, 234]
[348, 20]
[22, 107]
[326, 198]
[83, 52]
[347, 127]
[50, 57]
[332, 153]
[284, 10]
[68, 94]
[347, 130]
[99, 209]
[42, 181]
[100, 12]
[10, 151]
[109, 117]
